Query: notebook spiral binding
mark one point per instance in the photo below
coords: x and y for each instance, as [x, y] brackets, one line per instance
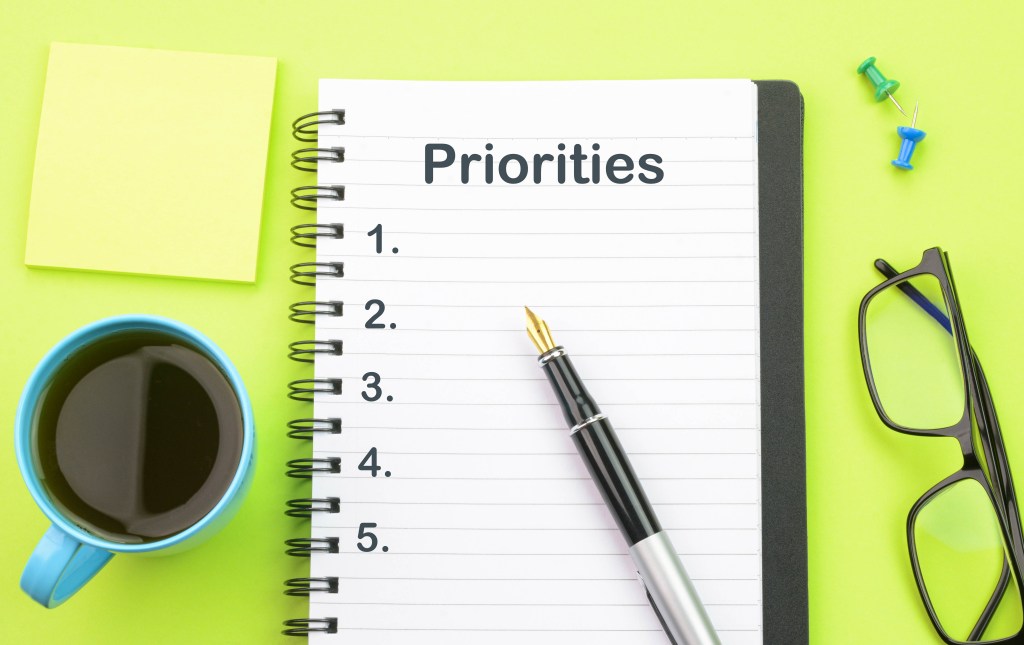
[307, 198]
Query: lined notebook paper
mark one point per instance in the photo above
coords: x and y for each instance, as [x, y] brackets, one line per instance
[486, 527]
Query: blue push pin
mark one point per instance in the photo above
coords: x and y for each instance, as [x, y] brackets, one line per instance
[910, 137]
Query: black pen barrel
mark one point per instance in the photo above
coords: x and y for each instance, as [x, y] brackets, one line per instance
[611, 471]
[577, 404]
[601, 451]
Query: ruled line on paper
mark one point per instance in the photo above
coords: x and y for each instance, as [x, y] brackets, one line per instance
[348, 135]
[520, 331]
[665, 161]
[348, 502]
[326, 398]
[526, 354]
[540, 257]
[574, 234]
[323, 475]
[521, 454]
[503, 630]
[534, 185]
[513, 528]
[570, 554]
[540, 429]
[523, 604]
[329, 205]
[628, 579]
[604, 282]
[499, 379]
[556, 307]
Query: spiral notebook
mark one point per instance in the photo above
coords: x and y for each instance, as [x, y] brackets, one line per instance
[656, 225]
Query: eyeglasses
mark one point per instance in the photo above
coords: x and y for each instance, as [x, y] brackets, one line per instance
[964, 534]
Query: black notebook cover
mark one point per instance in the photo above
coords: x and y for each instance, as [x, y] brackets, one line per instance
[783, 457]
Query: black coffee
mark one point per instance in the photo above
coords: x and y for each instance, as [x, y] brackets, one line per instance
[138, 436]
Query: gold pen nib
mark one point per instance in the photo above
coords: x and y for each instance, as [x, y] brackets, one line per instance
[539, 332]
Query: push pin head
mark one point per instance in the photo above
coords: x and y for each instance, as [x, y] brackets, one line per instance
[884, 87]
[909, 138]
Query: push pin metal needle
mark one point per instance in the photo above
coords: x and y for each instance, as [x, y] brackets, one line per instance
[896, 103]
[910, 137]
[884, 87]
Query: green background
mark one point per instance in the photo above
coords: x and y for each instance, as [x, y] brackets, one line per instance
[960, 59]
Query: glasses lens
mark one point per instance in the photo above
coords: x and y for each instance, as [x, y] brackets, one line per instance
[962, 560]
[914, 361]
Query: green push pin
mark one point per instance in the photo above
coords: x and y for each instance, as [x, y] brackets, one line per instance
[884, 87]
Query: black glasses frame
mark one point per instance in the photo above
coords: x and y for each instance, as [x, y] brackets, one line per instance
[998, 482]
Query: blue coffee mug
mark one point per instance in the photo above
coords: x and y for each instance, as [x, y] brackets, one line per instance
[68, 556]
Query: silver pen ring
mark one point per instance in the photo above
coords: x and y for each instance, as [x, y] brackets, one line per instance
[587, 422]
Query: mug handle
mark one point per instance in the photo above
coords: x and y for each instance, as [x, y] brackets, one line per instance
[59, 567]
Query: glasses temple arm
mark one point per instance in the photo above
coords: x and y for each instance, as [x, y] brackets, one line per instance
[912, 292]
[1003, 491]
[991, 434]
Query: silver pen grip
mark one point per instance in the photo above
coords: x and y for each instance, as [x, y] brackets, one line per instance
[671, 592]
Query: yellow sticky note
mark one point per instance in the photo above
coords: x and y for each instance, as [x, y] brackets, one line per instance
[151, 162]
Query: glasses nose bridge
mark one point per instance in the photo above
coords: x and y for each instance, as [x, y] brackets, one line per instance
[971, 461]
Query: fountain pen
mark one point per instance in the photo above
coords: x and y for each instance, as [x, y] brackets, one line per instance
[668, 588]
